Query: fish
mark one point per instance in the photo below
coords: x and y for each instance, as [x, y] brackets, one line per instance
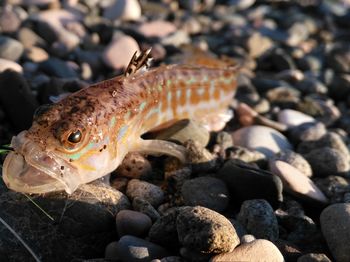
[87, 134]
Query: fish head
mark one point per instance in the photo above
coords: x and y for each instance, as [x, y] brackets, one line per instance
[64, 148]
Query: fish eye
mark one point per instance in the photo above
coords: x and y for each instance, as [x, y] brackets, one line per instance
[75, 137]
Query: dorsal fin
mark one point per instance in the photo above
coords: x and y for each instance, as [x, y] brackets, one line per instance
[138, 61]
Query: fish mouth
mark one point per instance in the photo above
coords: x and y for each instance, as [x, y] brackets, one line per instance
[29, 169]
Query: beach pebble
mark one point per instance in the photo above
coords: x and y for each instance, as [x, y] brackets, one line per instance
[245, 182]
[293, 118]
[263, 139]
[296, 160]
[132, 249]
[258, 44]
[197, 5]
[247, 238]
[10, 21]
[7, 64]
[59, 68]
[307, 132]
[296, 182]
[314, 257]
[144, 190]
[176, 39]
[122, 9]
[334, 187]
[119, 52]
[158, 28]
[258, 218]
[111, 251]
[335, 225]
[208, 192]
[134, 165]
[246, 155]
[133, 223]
[169, 259]
[10, 48]
[327, 161]
[29, 38]
[260, 248]
[146, 208]
[36, 54]
[203, 230]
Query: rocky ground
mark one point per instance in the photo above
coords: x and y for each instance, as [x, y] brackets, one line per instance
[273, 186]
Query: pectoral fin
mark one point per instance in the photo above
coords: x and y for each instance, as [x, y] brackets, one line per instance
[161, 147]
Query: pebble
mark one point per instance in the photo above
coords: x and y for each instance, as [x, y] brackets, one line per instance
[258, 218]
[158, 28]
[205, 231]
[111, 251]
[208, 192]
[245, 182]
[327, 161]
[144, 190]
[314, 257]
[57, 67]
[258, 44]
[335, 187]
[307, 132]
[9, 19]
[247, 238]
[335, 225]
[133, 223]
[122, 10]
[36, 54]
[176, 39]
[263, 249]
[133, 249]
[146, 208]
[296, 182]
[311, 85]
[296, 160]
[7, 64]
[10, 49]
[246, 155]
[134, 165]
[293, 118]
[29, 38]
[183, 130]
[260, 138]
[119, 52]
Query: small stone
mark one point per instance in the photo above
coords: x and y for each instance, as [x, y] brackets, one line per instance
[245, 182]
[111, 251]
[335, 225]
[335, 187]
[296, 182]
[206, 231]
[328, 161]
[59, 68]
[208, 192]
[258, 218]
[196, 5]
[296, 160]
[246, 155]
[144, 190]
[263, 139]
[176, 39]
[241, 4]
[132, 223]
[307, 132]
[119, 51]
[247, 238]
[36, 54]
[134, 249]
[183, 130]
[338, 59]
[283, 95]
[258, 44]
[293, 118]
[134, 165]
[311, 85]
[29, 38]
[7, 64]
[10, 49]
[123, 10]
[158, 28]
[260, 248]
[9, 19]
[313, 257]
[146, 208]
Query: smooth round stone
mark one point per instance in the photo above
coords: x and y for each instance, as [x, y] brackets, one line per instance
[158, 28]
[328, 161]
[334, 187]
[246, 182]
[258, 44]
[134, 165]
[258, 218]
[29, 38]
[111, 251]
[203, 230]
[10, 49]
[296, 160]
[10, 21]
[293, 118]
[133, 223]
[307, 132]
[146, 208]
[335, 225]
[134, 249]
[260, 138]
[144, 190]
[123, 9]
[296, 182]
[247, 238]
[36, 54]
[208, 192]
[7, 64]
[314, 257]
[119, 51]
[260, 248]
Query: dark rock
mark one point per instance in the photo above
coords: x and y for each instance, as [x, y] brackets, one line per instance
[59, 68]
[289, 251]
[265, 84]
[334, 187]
[134, 249]
[307, 132]
[339, 87]
[339, 59]
[17, 99]
[10, 49]
[246, 183]
[313, 257]
[133, 223]
[258, 218]
[208, 192]
[311, 86]
[144, 190]
[146, 208]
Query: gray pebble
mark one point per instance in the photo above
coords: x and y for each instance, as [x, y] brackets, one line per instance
[296, 160]
[144, 190]
[133, 223]
[146, 208]
[258, 218]
[10, 48]
[314, 257]
[334, 187]
[208, 192]
[307, 132]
